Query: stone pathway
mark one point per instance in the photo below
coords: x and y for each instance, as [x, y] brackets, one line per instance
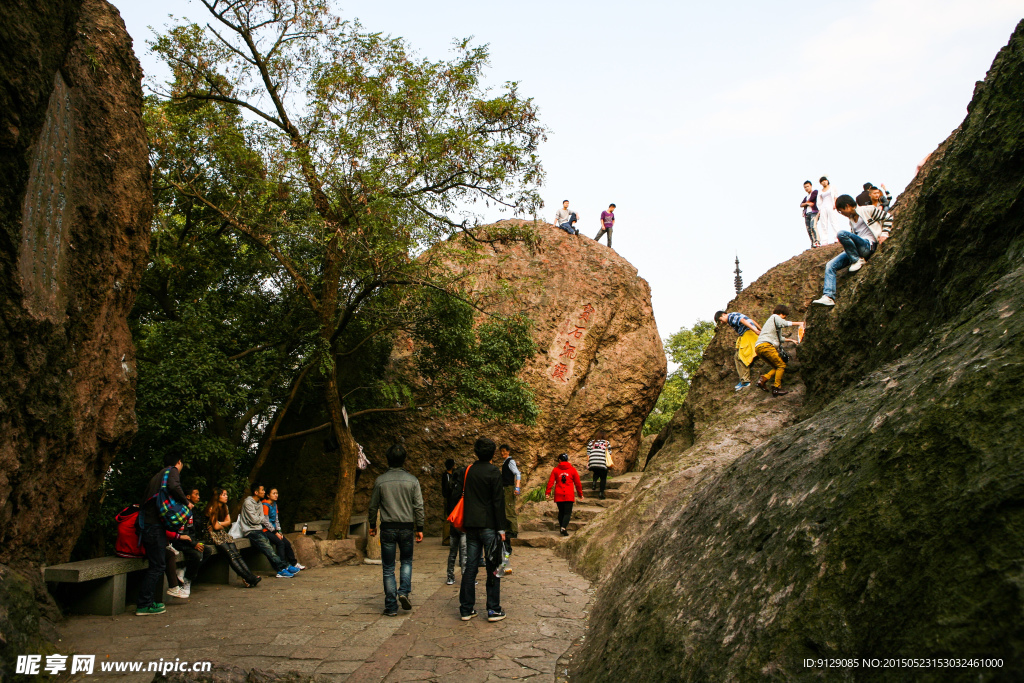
[327, 622]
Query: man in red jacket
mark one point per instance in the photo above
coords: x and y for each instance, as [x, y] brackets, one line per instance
[564, 478]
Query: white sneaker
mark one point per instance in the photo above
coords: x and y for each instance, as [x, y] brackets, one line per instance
[857, 265]
[824, 301]
[181, 576]
[300, 566]
[176, 592]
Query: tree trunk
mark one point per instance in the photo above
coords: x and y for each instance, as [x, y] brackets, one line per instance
[348, 455]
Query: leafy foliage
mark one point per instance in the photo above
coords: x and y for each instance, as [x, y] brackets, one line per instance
[686, 349]
[303, 170]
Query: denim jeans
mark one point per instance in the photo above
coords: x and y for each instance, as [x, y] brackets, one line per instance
[856, 247]
[282, 546]
[403, 541]
[811, 221]
[601, 233]
[568, 228]
[477, 541]
[154, 542]
[457, 548]
[257, 538]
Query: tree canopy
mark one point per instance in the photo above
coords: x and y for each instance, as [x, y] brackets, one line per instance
[309, 178]
[685, 348]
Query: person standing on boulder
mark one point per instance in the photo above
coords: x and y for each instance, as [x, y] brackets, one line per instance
[607, 223]
[869, 227]
[398, 497]
[566, 482]
[809, 207]
[484, 523]
[769, 349]
[599, 459]
[510, 482]
[747, 330]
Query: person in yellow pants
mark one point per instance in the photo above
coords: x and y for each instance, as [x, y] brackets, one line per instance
[747, 329]
[769, 344]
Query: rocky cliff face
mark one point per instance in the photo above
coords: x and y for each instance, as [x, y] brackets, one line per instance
[600, 365]
[74, 208]
[878, 515]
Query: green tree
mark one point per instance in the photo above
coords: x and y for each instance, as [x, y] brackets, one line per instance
[347, 160]
[685, 348]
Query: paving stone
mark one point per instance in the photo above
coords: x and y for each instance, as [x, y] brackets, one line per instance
[328, 621]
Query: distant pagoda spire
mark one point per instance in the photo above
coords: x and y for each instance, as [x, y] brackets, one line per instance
[738, 281]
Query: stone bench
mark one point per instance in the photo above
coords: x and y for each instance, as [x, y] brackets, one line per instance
[357, 526]
[102, 583]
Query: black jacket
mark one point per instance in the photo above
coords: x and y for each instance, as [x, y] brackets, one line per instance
[448, 486]
[173, 487]
[484, 505]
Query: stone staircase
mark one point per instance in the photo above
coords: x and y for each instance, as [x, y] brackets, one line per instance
[538, 521]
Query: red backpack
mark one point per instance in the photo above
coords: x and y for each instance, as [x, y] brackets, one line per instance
[129, 535]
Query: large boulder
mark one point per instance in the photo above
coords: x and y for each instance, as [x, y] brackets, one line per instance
[75, 206]
[882, 517]
[600, 365]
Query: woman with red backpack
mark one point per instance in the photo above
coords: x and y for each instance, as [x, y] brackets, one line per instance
[566, 482]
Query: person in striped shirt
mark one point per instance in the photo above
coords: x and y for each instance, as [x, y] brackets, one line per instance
[869, 227]
[599, 459]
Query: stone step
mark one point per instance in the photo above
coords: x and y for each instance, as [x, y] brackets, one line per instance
[539, 539]
[609, 485]
[548, 524]
[582, 513]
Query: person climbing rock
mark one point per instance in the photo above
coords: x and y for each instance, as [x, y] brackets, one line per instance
[869, 227]
[510, 481]
[769, 349]
[747, 329]
[566, 482]
[599, 459]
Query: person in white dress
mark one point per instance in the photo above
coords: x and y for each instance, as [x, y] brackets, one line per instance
[828, 218]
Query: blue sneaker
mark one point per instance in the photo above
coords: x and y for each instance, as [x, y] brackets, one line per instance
[295, 569]
[291, 570]
[741, 386]
[285, 574]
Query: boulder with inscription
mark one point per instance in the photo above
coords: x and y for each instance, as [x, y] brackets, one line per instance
[75, 205]
[600, 366]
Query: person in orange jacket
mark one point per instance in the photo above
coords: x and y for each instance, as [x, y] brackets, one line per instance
[566, 481]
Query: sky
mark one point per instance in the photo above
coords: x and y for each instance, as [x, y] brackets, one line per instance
[701, 121]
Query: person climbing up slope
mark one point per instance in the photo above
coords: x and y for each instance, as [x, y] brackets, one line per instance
[566, 482]
[747, 329]
[769, 349]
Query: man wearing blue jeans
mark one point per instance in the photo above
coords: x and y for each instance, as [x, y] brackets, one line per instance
[398, 497]
[253, 521]
[484, 523]
[154, 541]
[869, 226]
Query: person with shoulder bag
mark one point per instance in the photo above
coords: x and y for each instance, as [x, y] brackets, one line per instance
[165, 507]
[769, 349]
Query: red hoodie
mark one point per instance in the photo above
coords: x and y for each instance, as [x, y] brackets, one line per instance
[564, 477]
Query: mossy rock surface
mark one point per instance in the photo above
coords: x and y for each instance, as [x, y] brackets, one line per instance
[883, 517]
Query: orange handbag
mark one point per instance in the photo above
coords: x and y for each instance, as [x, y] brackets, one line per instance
[456, 516]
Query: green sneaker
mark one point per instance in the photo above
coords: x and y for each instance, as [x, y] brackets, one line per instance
[159, 604]
[152, 609]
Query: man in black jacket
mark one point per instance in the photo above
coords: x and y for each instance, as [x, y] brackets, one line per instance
[484, 523]
[447, 487]
[153, 539]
